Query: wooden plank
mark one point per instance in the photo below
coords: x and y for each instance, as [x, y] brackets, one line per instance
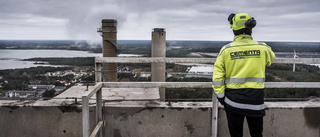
[93, 90]
[98, 72]
[99, 109]
[214, 130]
[96, 129]
[85, 117]
[194, 60]
[202, 84]
[292, 84]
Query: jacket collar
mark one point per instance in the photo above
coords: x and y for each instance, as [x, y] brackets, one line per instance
[242, 37]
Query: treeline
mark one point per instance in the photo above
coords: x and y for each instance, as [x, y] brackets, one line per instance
[19, 78]
[76, 61]
[274, 73]
[291, 46]
[144, 46]
[284, 73]
[134, 47]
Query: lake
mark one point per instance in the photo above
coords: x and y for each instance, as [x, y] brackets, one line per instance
[11, 59]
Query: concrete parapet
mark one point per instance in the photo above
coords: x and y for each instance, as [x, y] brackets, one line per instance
[193, 119]
[62, 117]
[40, 119]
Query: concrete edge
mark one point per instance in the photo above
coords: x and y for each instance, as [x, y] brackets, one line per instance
[71, 102]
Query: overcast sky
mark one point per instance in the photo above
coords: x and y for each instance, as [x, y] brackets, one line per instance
[277, 20]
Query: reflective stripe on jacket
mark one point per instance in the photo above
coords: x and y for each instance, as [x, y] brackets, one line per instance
[241, 65]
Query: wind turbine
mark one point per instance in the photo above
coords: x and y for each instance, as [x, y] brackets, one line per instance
[294, 57]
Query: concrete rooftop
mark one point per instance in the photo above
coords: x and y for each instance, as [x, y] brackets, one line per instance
[60, 117]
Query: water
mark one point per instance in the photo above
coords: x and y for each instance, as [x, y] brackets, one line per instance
[25, 54]
[11, 59]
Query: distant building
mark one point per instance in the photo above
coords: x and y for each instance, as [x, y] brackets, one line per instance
[206, 70]
[79, 84]
[66, 72]
[34, 92]
[145, 75]
[20, 94]
[40, 87]
[59, 88]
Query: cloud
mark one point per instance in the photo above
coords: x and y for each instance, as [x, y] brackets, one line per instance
[182, 19]
[79, 19]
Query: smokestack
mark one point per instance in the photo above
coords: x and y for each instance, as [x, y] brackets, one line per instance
[109, 49]
[158, 49]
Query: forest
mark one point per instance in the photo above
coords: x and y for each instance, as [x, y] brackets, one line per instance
[17, 79]
[274, 73]
[77, 61]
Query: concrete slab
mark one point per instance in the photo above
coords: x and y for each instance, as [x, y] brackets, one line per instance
[130, 93]
[114, 94]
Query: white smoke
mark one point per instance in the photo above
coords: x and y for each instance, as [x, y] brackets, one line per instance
[85, 20]
[182, 19]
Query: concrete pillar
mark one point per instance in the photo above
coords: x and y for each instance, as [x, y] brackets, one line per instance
[158, 49]
[109, 49]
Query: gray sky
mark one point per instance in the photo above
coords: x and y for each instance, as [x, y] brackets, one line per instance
[277, 20]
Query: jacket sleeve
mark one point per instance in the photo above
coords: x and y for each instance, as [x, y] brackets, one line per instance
[270, 56]
[218, 78]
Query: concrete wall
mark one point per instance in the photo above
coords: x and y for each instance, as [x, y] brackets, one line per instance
[59, 118]
[158, 122]
[40, 121]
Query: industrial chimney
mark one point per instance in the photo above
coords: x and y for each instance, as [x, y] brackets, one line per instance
[158, 48]
[109, 49]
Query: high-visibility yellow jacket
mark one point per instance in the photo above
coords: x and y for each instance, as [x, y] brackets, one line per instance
[241, 65]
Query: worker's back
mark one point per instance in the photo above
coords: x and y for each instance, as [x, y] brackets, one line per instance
[245, 61]
[239, 75]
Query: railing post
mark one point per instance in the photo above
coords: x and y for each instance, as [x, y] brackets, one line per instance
[85, 116]
[214, 131]
[98, 72]
[99, 110]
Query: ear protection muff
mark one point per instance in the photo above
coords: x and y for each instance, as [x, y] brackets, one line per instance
[251, 23]
[230, 18]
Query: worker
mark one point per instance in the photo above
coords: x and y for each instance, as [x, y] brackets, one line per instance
[239, 76]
